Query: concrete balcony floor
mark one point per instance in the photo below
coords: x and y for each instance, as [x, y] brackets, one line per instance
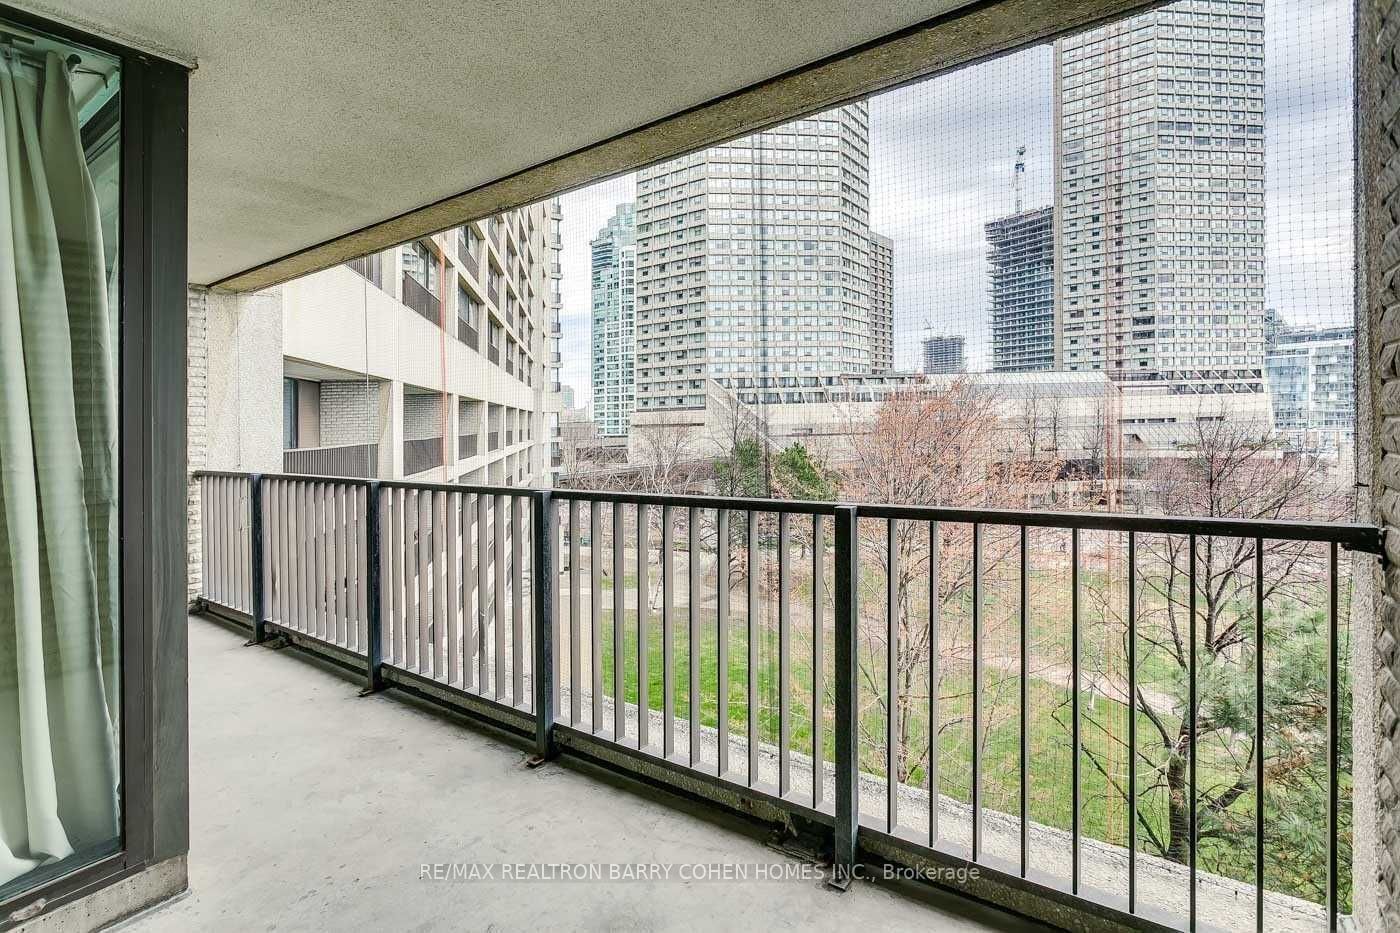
[313, 809]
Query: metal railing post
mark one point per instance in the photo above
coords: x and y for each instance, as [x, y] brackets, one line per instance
[847, 804]
[257, 604]
[374, 587]
[542, 638]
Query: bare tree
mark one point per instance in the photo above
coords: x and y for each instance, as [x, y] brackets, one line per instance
[927, 447]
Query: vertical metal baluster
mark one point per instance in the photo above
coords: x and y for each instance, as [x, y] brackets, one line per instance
[242, 543]
[324, 622]
[273, 526]
[221, 556]
[1259, 734]
[250, 577]
[292, 556]
[818, 613]
[517, 616]
[221, 543]
[976, 691]
[722, 640]
[1074, 708]
[323, 575]
[471, 562]
[1334, 761]
[365, 500]
[934, 679]
[220, 549]
[483, 593]
[339, 520]
[268, 495]
[643, 621]
[1025, 646]
[575, 655]
[426, 545]
[752, 635]
[230, 546]
[206, 529]
[499, 507]
[891, 675]
[784, 658]
[619, 615]
[453, 507]
[544, 536]
[235, 544]
[442, 597]
[409, 505]
[226, 539]
[556, 618]
[349, 579]
[668, 647]
[693, 641]
[215, 533]
[329, 556]
[306, 545]
[1132, 722]
[595, 627]
[393, 513]
[261, 554]
[1191, 719]
[376, 561]
[847, 804]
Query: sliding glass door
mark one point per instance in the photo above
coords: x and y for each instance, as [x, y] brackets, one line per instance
[60, 565]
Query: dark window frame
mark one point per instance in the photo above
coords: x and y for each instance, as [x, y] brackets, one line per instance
[153, 471]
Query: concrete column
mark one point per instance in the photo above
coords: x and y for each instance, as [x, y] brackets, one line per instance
[243, 361]
[453, 432]
[1376, 658]
[391, 430]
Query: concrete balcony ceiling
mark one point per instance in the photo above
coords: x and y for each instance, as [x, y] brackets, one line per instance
[310, 122]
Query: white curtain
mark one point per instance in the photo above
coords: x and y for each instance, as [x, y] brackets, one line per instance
[58, 517]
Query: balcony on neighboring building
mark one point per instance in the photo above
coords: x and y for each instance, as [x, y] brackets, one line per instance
[357, 460]
[421, 300]
[421, 454]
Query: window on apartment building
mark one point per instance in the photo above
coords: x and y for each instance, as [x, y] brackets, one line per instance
[421, 266]
[289, 414]
[468, 317]
[370, 267]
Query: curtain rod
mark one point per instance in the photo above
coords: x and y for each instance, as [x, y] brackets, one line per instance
[73, 60]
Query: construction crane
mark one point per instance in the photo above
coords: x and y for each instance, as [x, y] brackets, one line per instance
[1019, 176]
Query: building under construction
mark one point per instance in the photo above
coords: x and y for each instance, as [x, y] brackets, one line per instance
[1021, 254]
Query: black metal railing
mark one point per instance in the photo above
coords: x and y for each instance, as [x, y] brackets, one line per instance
[773, 652]
[466, 446]
[357, 460]
[493, 440]
[421, 454]
[421, 300]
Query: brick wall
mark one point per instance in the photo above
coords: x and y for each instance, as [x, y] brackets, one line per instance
[422, 416]
[349, 413]
[197, 423]
[1377, 671]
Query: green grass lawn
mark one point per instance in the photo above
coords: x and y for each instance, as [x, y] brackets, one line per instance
[1103, 811]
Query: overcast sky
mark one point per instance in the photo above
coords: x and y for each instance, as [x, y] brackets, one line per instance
[941, 158]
